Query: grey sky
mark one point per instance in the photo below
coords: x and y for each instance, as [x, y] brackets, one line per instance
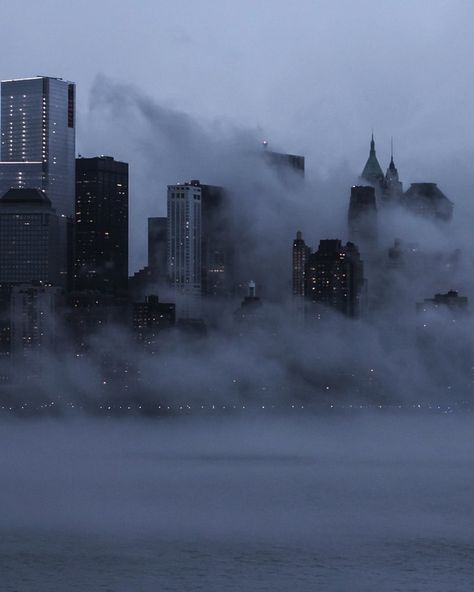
[315, 76]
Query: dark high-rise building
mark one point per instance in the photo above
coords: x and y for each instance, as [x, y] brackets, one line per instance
[427, 200]
[32, 239]
[101, 228]
[372, 172]
[301, 253]
[33, 322]
[150, 319]
[38, 138]
[335, 279]
[284, 163]
[157, 245]
[362, 216]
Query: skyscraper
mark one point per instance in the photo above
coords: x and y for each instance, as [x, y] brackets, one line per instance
[200, 246]
[101, 229]
[300, 257]
[362, 216]
[157, 245]
[38, 138]
[335, 279]
[32, 237]
[284, 163]
[393, 188]
[184, 238]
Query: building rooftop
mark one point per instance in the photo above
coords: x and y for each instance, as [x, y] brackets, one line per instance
[25, 196]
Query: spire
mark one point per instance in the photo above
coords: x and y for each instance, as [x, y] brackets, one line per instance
[372, 171]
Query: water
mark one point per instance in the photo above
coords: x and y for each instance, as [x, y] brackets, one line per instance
[370, 503]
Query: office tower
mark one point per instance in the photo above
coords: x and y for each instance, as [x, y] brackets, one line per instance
[101, 228]
[300, 257]
[38, 138]
[362, 216]
[284, 163]
[32, 239]
[372, 172]
[184, 238]
[335, 279]
[427, 200]
[157, 245]
[217, 245]
[150, 318]
[200, 245]
[33, 322]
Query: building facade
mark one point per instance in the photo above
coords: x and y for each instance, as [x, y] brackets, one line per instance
[300, 256]
[335, 279]
[38, 130]
[32, 239]
[184, 235]
[101, 225]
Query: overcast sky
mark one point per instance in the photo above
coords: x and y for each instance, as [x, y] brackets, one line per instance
[315, 76]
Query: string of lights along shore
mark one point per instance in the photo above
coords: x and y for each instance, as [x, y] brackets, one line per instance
[64, 246]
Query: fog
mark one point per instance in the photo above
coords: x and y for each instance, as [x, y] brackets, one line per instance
[259, 503]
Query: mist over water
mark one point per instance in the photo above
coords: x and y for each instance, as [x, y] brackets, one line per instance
[377, 502]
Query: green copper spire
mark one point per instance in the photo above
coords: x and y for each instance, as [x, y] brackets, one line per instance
[372, 171]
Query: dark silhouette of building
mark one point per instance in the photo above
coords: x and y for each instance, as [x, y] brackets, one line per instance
[150, 318]
[301, 253]
[335, 279]
[372, 172]
[33, 239]
[362, 216]
[157, 244]
[392, 187]
[284, 163]
[451, 301]
[34, 324]
[101, 225]
[427, 200]
[251, 310]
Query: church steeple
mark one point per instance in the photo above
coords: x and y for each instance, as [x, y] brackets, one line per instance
[372, 172]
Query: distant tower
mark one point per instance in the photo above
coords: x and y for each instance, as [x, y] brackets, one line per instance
[372, 172]
[300, 257]
[335, 279]
[362, 216]
[393, 188]
[38, 138]
[427, 200]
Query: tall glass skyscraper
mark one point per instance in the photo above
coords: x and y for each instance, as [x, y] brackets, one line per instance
[38, 138]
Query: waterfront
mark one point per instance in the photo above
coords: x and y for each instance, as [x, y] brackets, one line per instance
[360, 503]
